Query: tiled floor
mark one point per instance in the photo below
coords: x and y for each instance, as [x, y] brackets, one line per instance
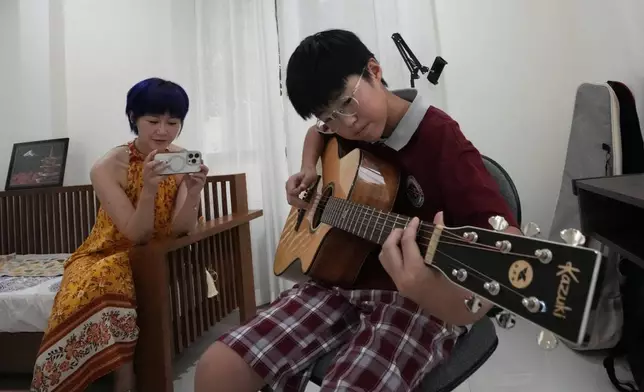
[517, 365]
[520, 365]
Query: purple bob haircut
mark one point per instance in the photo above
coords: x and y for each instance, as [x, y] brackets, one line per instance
[155, 96]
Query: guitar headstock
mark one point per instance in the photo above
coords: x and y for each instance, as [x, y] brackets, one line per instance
[550, 284]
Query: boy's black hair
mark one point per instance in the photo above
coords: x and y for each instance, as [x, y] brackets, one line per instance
[318, 69]
[155, 96]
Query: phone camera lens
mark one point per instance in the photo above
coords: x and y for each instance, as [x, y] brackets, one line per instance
[196, 155]
[193, 161]
[190, 155]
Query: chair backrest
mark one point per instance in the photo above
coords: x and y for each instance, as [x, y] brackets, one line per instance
[506, 186]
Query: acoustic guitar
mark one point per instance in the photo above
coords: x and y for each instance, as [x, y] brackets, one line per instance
[547, 283]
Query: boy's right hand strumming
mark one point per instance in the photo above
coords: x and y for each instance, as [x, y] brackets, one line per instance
[313, 146]
[298, 183]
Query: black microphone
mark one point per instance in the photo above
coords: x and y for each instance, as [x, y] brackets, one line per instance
[414, 65]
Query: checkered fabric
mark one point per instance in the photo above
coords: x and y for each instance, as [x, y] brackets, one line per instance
[385, 341]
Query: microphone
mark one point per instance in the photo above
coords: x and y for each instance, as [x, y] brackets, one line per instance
[414, 65]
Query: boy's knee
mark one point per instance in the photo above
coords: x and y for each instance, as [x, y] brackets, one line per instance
[222, 369]
[208, 368]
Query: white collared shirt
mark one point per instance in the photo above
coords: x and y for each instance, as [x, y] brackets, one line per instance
[408, 125]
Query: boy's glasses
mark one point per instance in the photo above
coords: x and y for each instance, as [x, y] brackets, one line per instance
[348, 106]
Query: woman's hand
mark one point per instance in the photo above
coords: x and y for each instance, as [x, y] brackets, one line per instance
[151, 172]
[187, 202]
[196, 181]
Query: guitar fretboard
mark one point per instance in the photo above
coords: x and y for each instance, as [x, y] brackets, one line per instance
[369, 223]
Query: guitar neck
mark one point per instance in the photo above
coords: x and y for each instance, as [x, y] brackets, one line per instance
[368, 223]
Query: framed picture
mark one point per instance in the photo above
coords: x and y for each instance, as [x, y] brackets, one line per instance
[37, 164]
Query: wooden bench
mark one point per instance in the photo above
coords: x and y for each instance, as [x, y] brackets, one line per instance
[169, 276]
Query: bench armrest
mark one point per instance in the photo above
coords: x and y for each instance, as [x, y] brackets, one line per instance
[207, 229]
[151, 271]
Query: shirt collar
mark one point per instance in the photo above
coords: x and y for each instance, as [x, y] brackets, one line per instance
[410, 121]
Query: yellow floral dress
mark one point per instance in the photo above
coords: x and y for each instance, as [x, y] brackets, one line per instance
[92, 329]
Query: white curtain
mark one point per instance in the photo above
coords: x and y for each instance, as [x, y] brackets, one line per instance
[374, 21]
[241, 116]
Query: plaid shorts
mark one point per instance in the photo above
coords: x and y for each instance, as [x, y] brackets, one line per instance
[385, 342]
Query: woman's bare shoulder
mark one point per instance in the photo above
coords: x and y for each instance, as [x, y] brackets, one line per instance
[114, 157]
[112, 164]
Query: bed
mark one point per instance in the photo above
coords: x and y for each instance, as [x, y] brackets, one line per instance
[25, 303]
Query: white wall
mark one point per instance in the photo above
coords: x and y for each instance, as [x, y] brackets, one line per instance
[9, 69]
[109, 46]
[25, 96]
[514, 66]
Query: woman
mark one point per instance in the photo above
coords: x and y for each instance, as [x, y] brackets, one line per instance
[92, 328]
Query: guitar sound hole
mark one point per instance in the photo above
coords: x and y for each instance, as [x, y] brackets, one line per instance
[321, 206]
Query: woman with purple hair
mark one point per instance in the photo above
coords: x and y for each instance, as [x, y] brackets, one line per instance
[92, 328]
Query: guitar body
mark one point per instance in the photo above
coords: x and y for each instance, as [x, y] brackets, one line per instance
[312, 249]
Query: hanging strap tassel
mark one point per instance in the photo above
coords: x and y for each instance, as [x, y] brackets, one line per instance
[210, 282]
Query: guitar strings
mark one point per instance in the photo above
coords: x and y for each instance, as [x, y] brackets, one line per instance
[480, 274]
[421, 228]
[425, 229]
[462, 242]
[396, 216]
[424, 241]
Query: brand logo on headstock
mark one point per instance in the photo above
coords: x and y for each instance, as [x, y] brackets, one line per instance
[520, 274]
[567, 273]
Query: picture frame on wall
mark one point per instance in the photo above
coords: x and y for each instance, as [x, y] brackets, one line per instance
[37, 164]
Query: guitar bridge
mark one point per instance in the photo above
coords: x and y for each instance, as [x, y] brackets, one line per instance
[307, 198]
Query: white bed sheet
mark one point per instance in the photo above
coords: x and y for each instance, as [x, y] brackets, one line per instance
[26, 302]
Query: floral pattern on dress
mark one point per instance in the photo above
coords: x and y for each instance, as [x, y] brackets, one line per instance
[104, 329]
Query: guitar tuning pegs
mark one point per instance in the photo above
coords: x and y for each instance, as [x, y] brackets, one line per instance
[547, 340]
[498, 223]
[506, 320]
[473, 304]
[573, 237]
[531, 229]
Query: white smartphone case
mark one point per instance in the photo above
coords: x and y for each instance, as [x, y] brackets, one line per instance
[181, 162]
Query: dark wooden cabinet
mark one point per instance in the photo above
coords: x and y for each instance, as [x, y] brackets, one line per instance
[612, 212]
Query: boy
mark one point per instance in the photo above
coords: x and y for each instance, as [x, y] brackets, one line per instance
[388, 340]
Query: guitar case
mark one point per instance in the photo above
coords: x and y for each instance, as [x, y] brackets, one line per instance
[594, 150]
[606, 140]
[631, 132]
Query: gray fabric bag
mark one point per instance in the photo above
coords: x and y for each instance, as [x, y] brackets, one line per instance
[594, 150]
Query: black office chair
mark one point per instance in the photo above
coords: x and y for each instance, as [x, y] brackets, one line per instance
[477, 345]
[506, 186]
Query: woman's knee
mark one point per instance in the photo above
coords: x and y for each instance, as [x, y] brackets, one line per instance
[222, 369]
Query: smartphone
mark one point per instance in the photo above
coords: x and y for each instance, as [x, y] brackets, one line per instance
[181, 162]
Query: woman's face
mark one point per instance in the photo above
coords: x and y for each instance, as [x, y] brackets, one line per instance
[157, 132]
